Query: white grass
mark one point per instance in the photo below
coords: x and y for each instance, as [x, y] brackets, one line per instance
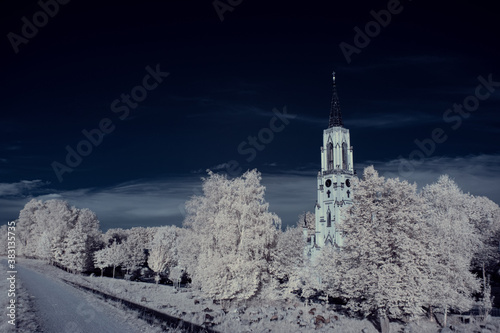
[252, 316]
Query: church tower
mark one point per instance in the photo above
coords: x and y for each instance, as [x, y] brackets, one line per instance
[334, 180]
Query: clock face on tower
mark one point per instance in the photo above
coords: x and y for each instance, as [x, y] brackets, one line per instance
[348, 182]
[328, 183]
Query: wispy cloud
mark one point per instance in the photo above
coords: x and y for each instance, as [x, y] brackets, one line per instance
[141, 202]
[222, 166]
[154, 202]
[391, 120]
[22, 188]
[10, 147]
[137, 203]
[13, 197]
[385, 120]
[477, 174]
[161, 201]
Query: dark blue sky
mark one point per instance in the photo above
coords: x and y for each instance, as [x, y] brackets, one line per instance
[225, 78]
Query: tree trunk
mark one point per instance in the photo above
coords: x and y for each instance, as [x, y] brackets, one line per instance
[114, 266]
[484, 300]
[102, 272]
[445, 315]
[384, 323]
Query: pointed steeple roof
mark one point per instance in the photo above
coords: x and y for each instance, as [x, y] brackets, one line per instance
[335, 114]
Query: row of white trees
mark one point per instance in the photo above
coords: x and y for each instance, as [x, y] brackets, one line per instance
[405, 251]
[62, 235]
[231, 245]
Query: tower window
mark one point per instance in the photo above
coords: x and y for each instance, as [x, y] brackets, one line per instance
[344, 156]
[329, 153]
[329, 218]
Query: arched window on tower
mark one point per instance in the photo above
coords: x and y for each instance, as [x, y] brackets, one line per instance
[344, 156]
[328, 218]
[329, 153]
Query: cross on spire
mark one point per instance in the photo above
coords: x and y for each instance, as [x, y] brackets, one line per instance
[335, 114]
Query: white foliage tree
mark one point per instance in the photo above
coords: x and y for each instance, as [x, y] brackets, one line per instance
[75, 251]
[101, 259]
[288, 259]
[455, 244]
[307, 219]
[26, 226]
[43, 248]
[327, 267]
[233, 236]
[163, 253]
[111, 256]
[288, 255]
[187, 253]
[115, 235]
[134, 246]
[157, 260]
[175, 275]
[384, 261]
[58, 217]
[38, 216]
[484, 214]
[81, 241]
[50, 224]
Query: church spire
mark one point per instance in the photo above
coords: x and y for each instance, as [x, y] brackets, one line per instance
[335, 114]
